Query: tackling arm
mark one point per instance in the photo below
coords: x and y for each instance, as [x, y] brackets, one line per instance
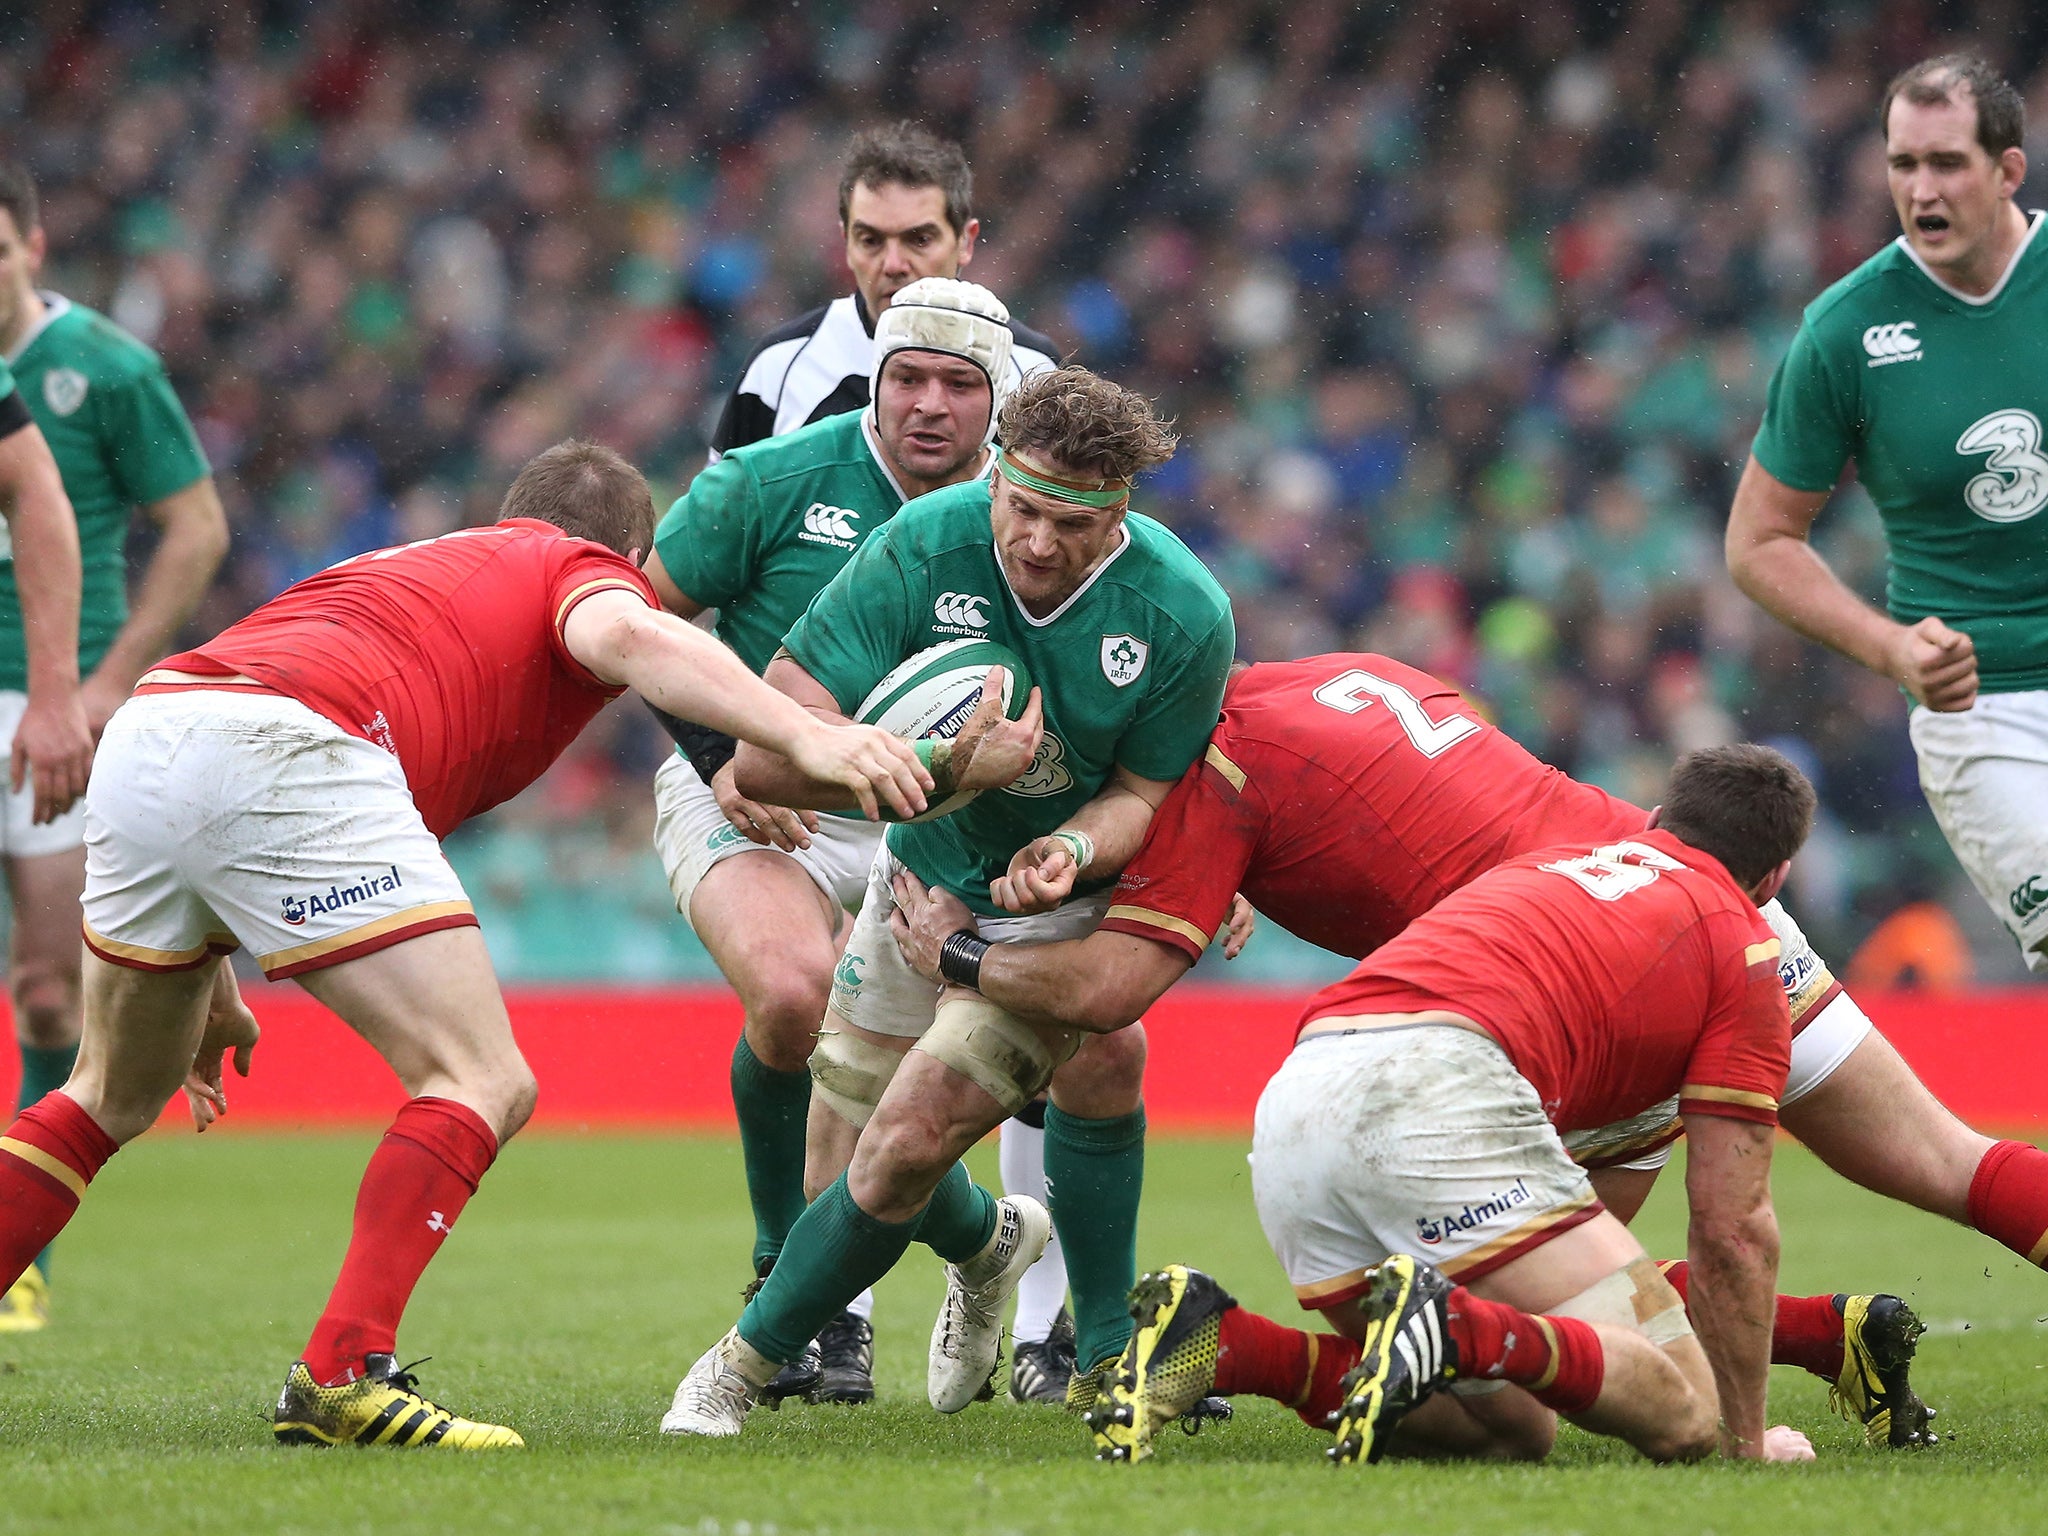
[1095, 842]
[1732, 1247]
[53, 738]
[194, 539]
[1772, 561]
[678, 668]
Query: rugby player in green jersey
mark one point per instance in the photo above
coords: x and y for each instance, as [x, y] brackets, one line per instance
[1129, 640]
[1925, 366]
[120, 441]
[769, 890]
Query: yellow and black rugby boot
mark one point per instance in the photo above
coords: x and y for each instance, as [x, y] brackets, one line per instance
[1879, 1335]
[380, 1408]
[1085, 1386]
[26, 1306]
[1169, 1368]
[1407, 1353]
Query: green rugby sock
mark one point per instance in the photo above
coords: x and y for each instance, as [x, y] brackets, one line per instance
[835, 1251]
[44, 1072]
[1094, 1174]
[773, 1108]
[960, 1219]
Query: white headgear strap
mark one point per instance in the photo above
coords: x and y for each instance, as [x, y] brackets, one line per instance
[958, 318]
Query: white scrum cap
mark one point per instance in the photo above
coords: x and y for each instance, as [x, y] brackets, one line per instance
[958, 318]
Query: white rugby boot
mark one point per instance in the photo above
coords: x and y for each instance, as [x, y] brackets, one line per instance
[968, 1336]
[724, 1383]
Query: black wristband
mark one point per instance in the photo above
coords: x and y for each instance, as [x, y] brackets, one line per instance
[14, 414]
[960, 958]
[707, 750]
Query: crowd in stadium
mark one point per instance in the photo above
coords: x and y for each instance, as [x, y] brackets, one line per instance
[1466, 326]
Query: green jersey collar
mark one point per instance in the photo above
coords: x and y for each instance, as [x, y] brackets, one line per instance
[1978, 301]
[55, 307]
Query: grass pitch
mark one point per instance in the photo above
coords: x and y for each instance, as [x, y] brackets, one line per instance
[592, 1270]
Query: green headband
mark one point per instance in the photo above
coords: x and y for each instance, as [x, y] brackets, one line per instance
[1062, 490]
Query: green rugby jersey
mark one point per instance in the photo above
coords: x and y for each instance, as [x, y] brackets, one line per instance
[1131, 667]
[121, 441]
[759, 533]
[1940, 400]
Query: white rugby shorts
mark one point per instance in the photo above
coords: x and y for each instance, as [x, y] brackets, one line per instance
[692, 837]
[20, 837]
[1419, 1139]
[874, 987]
[218, 819]
[1984, 771]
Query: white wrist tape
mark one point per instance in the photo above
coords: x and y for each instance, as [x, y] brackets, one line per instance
[1080, 844]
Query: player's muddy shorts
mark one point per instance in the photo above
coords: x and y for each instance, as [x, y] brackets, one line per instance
[1985, 774]
[20, 837]
[875, 989]
[1826, 1027]
[692, 837]
[217, 818]
[1419, 1139]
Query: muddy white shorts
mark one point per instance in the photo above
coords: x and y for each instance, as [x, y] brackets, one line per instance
[692, 837]
[875, 989]
[1985, 774]
[1419, 1139]
[20, 837]
[218, 819]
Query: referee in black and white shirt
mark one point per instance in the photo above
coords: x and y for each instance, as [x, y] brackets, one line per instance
[905, 203]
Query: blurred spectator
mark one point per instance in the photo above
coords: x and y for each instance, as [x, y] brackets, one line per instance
[1466, 312]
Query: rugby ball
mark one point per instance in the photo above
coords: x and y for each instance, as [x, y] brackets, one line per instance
[933, 693]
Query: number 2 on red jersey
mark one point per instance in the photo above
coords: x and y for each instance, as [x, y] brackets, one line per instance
[1349, 692]
[1610, 873]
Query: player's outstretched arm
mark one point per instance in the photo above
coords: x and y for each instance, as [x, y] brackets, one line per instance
[192, 542]
[53, 740]
[679, 668]
[1100, 983]
[1732, 1246]
[1772, 561]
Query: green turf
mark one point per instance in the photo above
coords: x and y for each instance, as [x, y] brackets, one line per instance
[592, 1270]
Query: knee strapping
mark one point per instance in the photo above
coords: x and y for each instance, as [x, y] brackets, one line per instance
[1637, 1297]
[996, 1051]
[851, 1074]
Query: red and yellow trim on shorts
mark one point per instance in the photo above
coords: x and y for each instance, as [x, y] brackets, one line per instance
[140, 957]
[367, 938]
[1319, 1295]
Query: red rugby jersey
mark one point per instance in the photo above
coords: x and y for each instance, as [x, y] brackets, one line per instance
[447, 653]
[1613, 976]
[1346, 795]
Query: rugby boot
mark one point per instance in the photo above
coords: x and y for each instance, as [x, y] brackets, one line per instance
[1879, 1335]
[1169, 1366]
[713, 1399]
[26, 1306]
[378, 1408]
[846, 1361]
[967, 1337]
[1407, 1353]
[1040, 1371]
[797, 1379]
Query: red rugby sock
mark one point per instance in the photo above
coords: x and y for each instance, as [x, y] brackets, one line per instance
[1807, 1332]
[2009, 1199]
[47, 1157]
[419, 1179]
[1268, 1359]
[1558, 1360]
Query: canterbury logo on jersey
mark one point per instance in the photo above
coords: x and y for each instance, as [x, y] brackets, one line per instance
[960, 613]
[830, 525]
[1894, 343]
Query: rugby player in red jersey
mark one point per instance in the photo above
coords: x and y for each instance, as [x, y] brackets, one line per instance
[1421, 1112]
[1345, 795]
[285, 787]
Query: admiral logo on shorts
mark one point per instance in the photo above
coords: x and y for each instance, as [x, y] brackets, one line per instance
[298, 908]
[830, 525]
[2029, 898]
[960, 613]
[1432, 1231]
[1894, 343]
